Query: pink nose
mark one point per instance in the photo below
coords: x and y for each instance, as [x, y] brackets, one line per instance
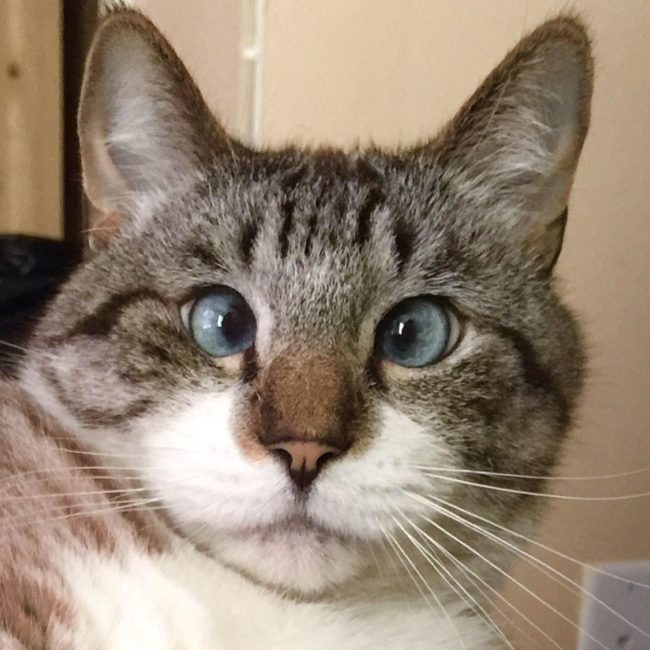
[304, 459]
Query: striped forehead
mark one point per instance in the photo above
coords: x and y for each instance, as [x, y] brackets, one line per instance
[319, 237]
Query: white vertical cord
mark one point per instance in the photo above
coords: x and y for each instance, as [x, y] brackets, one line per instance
[253, 57]
[250, 108]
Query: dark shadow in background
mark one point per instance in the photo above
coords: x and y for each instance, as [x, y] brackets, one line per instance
[32, 268]
[79, 23]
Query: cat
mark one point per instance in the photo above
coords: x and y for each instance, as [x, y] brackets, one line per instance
[249, 417]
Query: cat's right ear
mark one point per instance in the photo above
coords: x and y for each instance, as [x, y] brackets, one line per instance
[512, 150]
[144, 127]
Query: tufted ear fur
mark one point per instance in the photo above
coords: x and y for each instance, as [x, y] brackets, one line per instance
[143, 125]
[513, 148]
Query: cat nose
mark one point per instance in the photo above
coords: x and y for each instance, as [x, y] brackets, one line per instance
[304, 460]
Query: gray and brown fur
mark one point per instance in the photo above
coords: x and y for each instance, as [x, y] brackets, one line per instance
[327, 242]
[51, 498]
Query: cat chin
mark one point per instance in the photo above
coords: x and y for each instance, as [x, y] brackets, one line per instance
[291, 556]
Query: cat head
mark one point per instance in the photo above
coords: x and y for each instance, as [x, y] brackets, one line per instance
[301, 351]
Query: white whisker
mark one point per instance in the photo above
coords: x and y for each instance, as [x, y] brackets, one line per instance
[120, 507]
[504, 573]
[544, 495]
[500, 596]
[437, 600]
[37, 477]
[390, 538]
[545, 547]
[447, 577]
[450, 621]
[475, 585]
[60, 495]
[13, 346]
[534, 477]
[548, 570]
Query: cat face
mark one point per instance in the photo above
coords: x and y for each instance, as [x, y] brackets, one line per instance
[298, 352]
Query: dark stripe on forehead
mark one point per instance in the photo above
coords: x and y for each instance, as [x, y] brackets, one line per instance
[287, 208]
[250, 230]
[206, 255]
[373, 180]
[103, 319]
[373, 198]
[311, 228]
[368, 173]
[404, 245]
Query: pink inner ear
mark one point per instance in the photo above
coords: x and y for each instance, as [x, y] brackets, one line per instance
[104, 227]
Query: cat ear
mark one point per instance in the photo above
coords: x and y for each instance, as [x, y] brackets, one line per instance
[513, 149]
[143, 125]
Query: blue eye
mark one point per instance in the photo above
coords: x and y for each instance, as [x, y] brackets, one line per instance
[416, 332]
[222, 323]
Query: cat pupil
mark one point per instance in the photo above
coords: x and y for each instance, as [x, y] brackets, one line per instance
[404, 334]
[231, 324]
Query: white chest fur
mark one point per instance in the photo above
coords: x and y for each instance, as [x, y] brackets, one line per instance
[183, 600]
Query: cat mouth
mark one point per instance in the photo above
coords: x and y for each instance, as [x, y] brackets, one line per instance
[295, 528]
[294, 553]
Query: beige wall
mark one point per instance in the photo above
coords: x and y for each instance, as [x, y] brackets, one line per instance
[207, 34]
[342, 71]
[30, 117]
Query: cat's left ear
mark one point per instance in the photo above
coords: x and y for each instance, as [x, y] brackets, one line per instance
[144, 127]
[512, 150]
